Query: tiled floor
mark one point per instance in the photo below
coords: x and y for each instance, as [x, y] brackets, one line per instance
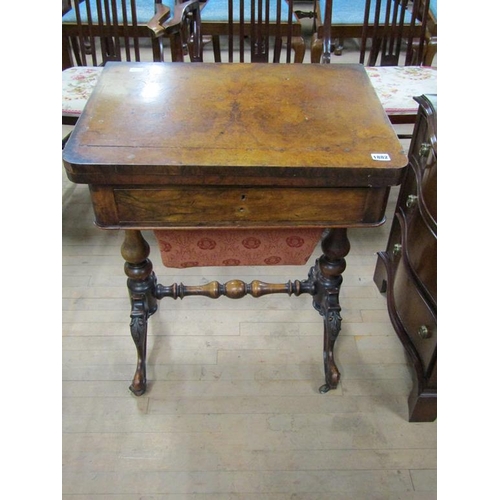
[233, 409]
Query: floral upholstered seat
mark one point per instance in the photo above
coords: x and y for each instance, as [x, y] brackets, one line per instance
[396, 86]
[79, 81]
[77, 85]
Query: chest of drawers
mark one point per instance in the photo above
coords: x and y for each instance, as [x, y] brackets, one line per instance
[407, 270]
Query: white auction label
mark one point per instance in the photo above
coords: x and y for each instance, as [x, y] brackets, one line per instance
[381, 157]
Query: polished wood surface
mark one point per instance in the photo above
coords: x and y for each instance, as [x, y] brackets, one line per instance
[169, 145]
[230, 206]
[216, 124]
[258, 127]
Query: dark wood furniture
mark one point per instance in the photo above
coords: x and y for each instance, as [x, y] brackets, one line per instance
[250, 145]
[66, 5]
[407, 269]
[254, 30]
[388, 25]
[109, 30]
[95, 32]
[182, 28]
[392, 36]
[432, 29]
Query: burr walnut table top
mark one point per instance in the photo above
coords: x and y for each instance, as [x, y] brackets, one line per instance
[294, 125]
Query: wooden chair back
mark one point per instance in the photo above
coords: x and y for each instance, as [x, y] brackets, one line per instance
[183, 29]
[398, 27]
[393, 32]
[110, 30]
[256, 30]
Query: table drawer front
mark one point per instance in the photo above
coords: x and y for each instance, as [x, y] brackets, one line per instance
[418, 320]
[235, 206]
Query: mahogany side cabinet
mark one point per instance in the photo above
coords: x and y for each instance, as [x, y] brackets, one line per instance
[407, 270]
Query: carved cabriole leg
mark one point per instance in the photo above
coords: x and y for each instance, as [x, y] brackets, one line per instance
[327, 277]
[141, 284]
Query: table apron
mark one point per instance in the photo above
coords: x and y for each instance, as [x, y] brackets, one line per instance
[223, 206]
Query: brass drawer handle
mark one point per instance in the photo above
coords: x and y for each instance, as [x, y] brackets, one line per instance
[425, 148]
[424, 332]
[396, 249]
[411, 201]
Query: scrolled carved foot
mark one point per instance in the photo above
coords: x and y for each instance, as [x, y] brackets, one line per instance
[141, 285]
[138, 329]
[327, 278]
[332, 378]
[138, 386]
[332, 322]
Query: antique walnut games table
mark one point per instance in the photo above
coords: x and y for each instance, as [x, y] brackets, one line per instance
[169, 145]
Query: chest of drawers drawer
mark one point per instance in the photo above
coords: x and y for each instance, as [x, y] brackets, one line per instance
[416, 316]
[422, 254]
[417, 232]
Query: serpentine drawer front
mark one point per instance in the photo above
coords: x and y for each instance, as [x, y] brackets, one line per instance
[416, 316]
[407, 269]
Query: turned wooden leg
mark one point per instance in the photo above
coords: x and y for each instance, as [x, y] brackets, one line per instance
[141, 284]
[216, 45]
[316, 48]
[327, 277]
[299, 49]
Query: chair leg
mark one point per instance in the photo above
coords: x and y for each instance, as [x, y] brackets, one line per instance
[299, 49]
[316, 48]
[430, 51]
[216, 46]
